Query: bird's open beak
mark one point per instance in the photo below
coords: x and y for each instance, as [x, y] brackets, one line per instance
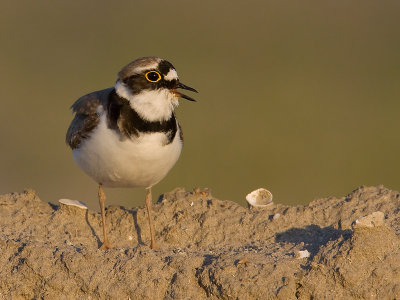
[185, 87]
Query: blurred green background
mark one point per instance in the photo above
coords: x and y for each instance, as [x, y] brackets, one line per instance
[300, 97]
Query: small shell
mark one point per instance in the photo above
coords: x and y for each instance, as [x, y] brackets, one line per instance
[70, 202]
[259, 198]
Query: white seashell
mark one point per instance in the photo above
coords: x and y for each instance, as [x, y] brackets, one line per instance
[303, 254]
[259, 198]
[70, 202]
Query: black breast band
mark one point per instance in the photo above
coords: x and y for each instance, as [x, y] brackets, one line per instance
[123, 118]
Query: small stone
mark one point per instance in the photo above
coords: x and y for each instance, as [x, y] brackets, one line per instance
[303, 254]
[276, 216]
[372, 220]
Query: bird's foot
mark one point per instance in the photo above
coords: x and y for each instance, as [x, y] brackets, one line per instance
[154, 247]
[106, 245]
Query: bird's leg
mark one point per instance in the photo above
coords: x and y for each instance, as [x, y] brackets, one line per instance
[148, 206]
[102, 198]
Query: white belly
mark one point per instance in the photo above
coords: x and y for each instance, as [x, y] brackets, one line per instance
[114, 162]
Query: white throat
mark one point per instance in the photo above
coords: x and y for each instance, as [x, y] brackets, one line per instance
[151, 105]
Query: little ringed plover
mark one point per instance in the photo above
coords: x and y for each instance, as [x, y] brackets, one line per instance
[128, 135]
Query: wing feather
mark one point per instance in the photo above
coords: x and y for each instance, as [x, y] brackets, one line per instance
[86, 116]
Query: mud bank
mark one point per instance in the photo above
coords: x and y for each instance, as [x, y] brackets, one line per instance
[209, 248]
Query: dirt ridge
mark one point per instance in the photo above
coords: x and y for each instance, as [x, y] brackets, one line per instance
[209, 248]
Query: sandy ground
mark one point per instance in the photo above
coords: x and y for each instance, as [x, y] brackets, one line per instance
[208, 249]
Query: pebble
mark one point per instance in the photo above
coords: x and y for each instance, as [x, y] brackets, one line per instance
[303, 254]
[372, 220]
[276, 216]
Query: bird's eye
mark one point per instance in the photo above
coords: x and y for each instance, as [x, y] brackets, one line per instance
[153, 76]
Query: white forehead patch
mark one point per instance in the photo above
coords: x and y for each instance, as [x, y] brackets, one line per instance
[171, 75]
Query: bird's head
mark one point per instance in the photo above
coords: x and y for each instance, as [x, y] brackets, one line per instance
[151, 85]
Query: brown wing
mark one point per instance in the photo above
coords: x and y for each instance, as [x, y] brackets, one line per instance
[86, 116]
[180, 133]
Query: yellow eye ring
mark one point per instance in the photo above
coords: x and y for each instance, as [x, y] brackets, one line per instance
[153, 76]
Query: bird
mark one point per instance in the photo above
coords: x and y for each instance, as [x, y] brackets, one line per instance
[128, 135]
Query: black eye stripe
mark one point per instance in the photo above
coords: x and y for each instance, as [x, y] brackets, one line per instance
[144, 81]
